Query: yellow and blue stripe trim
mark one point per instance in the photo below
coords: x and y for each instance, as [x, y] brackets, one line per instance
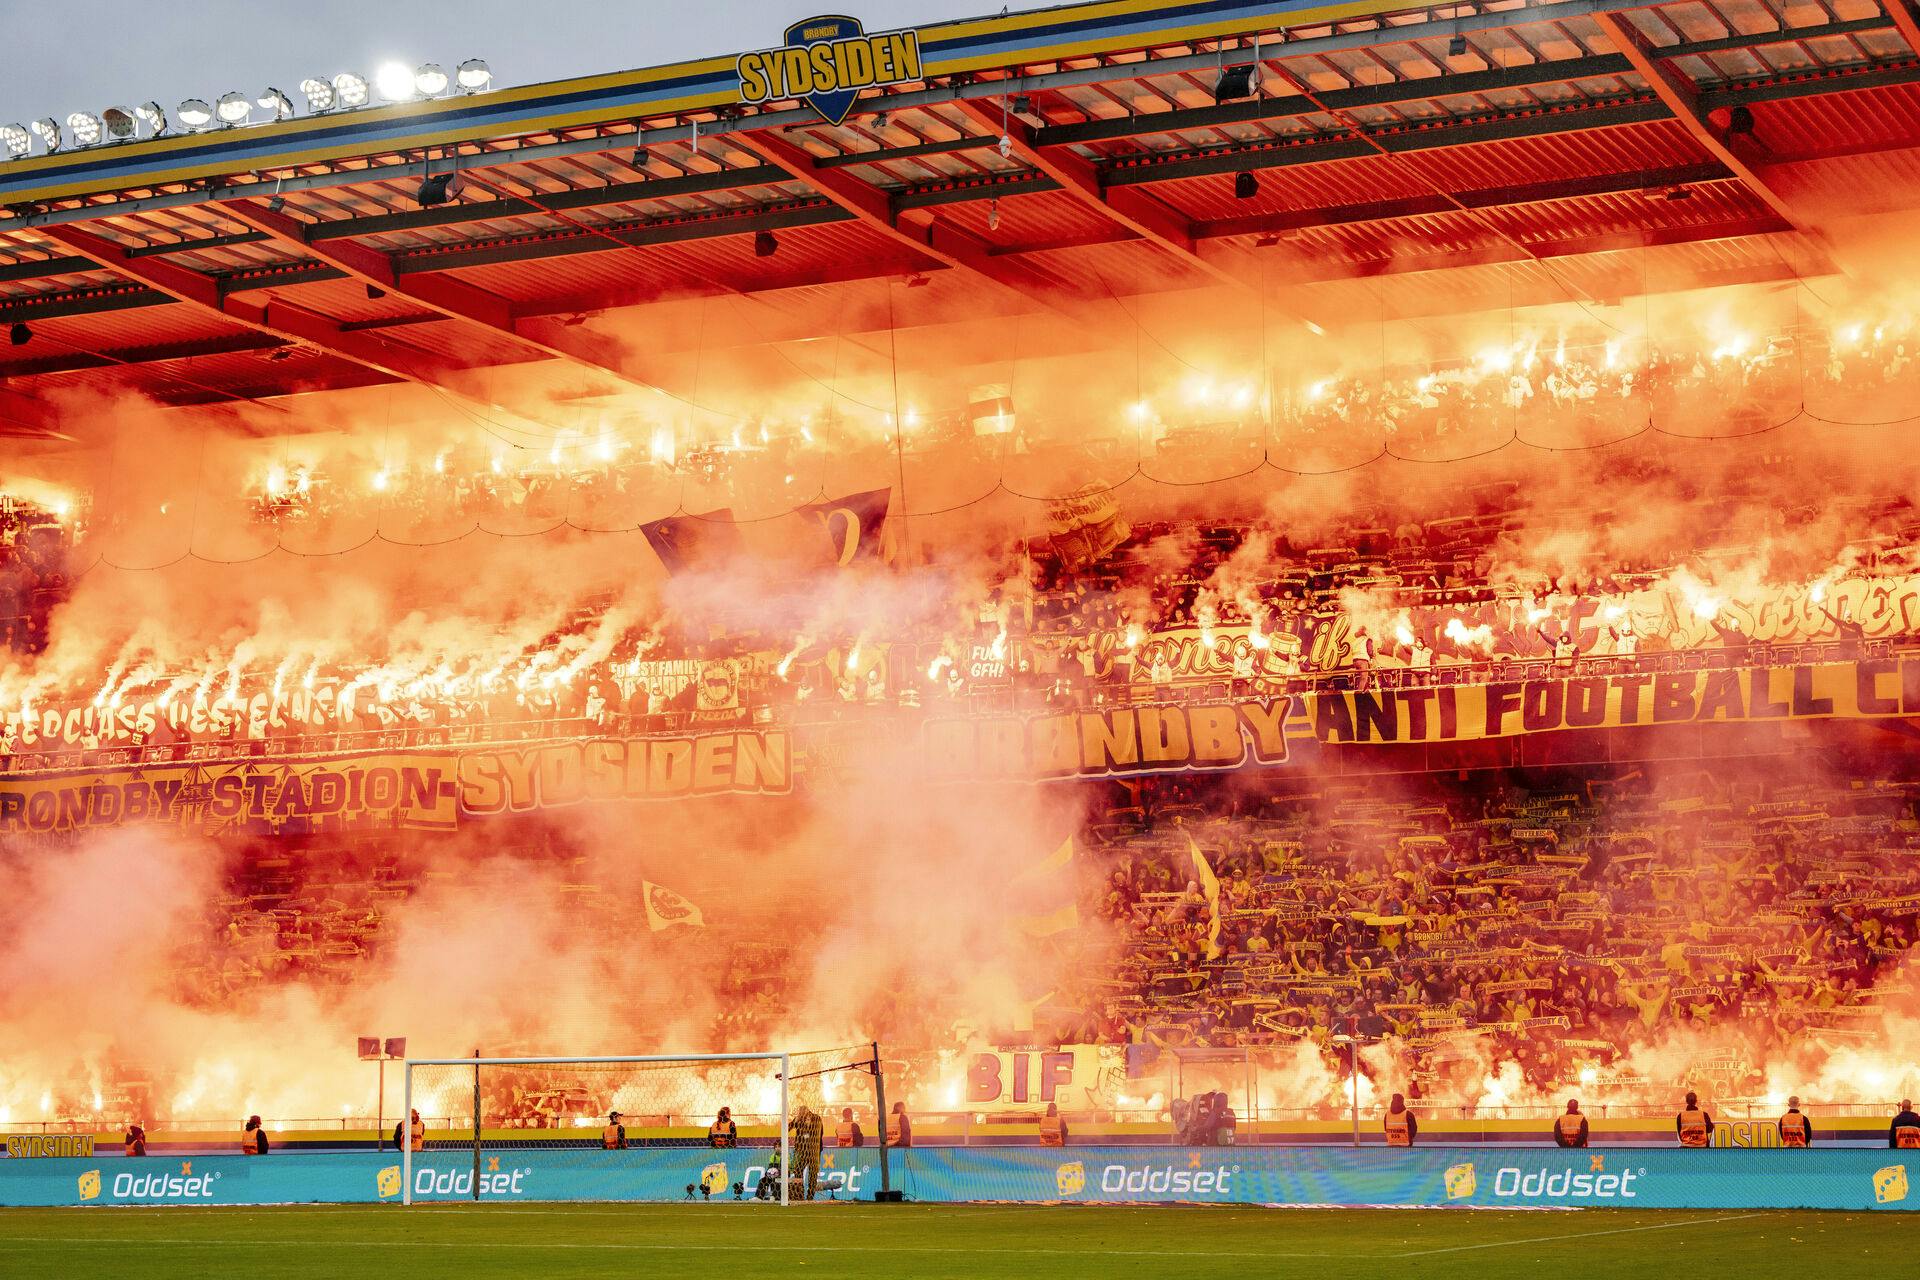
[1042, 36]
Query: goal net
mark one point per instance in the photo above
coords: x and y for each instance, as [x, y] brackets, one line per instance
[705, 1127]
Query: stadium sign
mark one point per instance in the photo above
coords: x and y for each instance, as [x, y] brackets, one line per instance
[826, 62]
[49, 1146]
[1659, 1178]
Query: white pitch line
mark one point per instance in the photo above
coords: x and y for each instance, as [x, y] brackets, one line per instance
[223, 1242]
[1576, 1235]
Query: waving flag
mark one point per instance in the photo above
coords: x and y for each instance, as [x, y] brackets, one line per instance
[855, 525]
[1210, 886]
[693, 542]
[665, 908]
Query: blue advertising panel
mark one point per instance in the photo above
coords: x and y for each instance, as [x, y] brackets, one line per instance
[1474, 1177]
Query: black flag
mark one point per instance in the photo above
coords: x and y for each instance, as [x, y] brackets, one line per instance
[854, 525]
[686, 543]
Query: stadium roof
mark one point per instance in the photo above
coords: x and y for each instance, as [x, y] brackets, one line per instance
[1514, 151]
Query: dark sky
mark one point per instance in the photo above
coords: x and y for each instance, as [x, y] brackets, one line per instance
[85, 55]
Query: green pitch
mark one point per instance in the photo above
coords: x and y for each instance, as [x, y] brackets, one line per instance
[908, 1242]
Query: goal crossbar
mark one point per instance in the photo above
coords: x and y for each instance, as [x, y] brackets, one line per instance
[476, 1063]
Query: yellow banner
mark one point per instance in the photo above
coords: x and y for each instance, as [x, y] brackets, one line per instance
[422, 791]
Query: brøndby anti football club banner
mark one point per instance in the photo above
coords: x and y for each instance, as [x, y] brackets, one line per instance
[437, 787]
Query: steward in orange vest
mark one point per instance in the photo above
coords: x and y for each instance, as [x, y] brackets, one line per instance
[899, 1128]
[849, 1134]
[1401, 1127]
[1795, 1131]
[1694, 1126]
[1904, 1132]
[1570, 1130]
[723, 1132]
[253, 1139]
[1053, 1127]
[614, 1136]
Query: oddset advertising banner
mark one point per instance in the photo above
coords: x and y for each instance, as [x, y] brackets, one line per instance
[1477, 1177]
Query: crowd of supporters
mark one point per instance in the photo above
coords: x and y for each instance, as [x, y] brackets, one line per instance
[1553, 922]
[1287, 615]
[33, 574]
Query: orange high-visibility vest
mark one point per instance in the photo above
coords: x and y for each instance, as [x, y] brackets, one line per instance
[1053, 1131]
[1906, 1137]
[1793, 1130]
[250, 1142]
[1569, 1126]
[1693, 1128]
[610, 1137]
[721, 1134]
[895, 1129]
[419, 1134]
[1399, 1133]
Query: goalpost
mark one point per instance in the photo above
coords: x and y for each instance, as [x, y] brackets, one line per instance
[688, 1127]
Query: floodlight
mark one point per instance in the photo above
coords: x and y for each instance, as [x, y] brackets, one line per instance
[85, 128]
[194, 113]
[430, 79]
[48, 130]
[153, 117]
[351, 88]
[233, 108]
[120, 123]
[394, 83]
[319, 95]
[15, 139]
[437, 188]
[1234, 82]
[473, 75]
[277, 102]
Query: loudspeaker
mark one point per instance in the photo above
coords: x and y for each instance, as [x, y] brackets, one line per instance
[889, 1197]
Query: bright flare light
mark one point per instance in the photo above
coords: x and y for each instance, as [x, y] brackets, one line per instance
[395, 83]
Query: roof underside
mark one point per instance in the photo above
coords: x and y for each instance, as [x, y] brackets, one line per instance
[1439, 159]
